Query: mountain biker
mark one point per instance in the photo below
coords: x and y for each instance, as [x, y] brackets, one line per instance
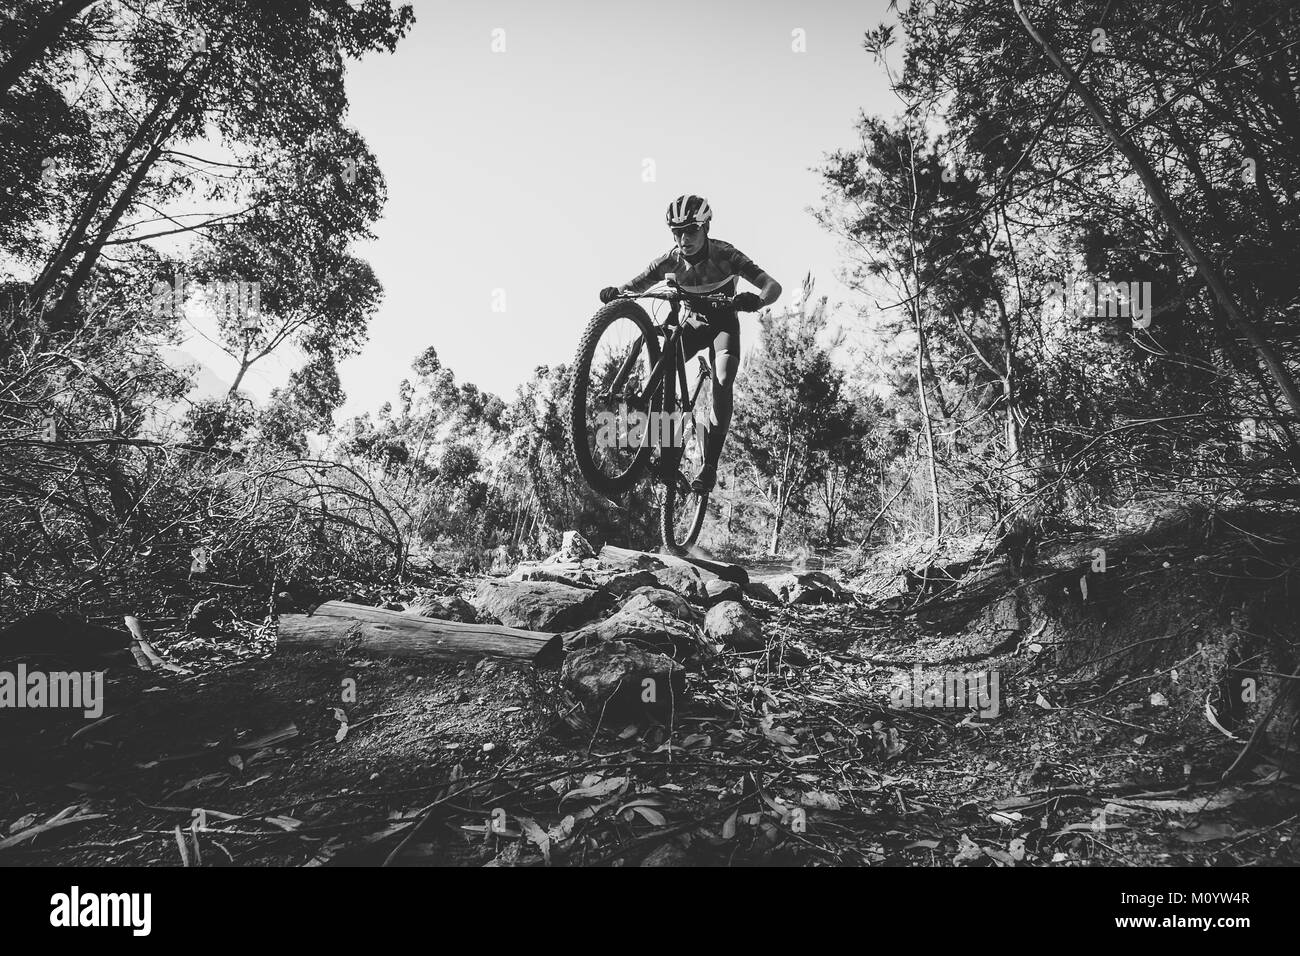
[705, 265]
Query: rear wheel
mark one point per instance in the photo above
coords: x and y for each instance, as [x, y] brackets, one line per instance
[612, 367]
[681, 510]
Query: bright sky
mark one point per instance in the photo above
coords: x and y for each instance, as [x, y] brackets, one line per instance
[524, 170]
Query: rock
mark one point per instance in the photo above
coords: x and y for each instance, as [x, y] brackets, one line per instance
[648, 619]
[684, 579]
[809, 587]
[730, 624]
[539, 605]
[758, 591]
[574, 547]
[626, 582]
[450, 608]
[668, 601]
[720, 590]
[618, 682]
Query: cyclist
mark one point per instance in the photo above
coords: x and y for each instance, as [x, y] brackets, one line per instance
[705, 265]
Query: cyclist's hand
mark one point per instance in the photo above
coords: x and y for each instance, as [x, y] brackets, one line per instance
[608, 294]
[746, 302]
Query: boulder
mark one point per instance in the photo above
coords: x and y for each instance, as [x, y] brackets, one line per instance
[643, 624]
[809, 587]
[758, 591]
[731, 624]
[626, 582]
[720, 590]
[574, 547]
[619, 682]
[539, 605]
[450, 608]
[684, 579]
[669, 601]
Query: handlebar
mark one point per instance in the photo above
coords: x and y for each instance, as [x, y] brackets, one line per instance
[677, 294]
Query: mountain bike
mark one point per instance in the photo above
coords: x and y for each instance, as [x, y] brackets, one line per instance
[622, 372]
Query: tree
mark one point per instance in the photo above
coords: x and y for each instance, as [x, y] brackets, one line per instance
[787, 408]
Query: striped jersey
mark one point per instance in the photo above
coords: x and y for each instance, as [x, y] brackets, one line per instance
[714, 270]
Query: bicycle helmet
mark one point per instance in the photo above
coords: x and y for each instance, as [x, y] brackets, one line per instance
[685, 210]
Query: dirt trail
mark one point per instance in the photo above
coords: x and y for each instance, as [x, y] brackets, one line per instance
[827, 747]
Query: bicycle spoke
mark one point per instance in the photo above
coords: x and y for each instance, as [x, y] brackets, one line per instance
[620, 370]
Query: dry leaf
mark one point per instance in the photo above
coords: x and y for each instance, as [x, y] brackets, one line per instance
[1206, 832]
[778, 736]
[22, 822]
[1213, 717]
[269, 739]
[729, 828]
[968, 851]
[652, 817]
[820, 799]
[59, 820]
[597, 790]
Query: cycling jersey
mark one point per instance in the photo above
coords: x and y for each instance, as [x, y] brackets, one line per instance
[715, 269]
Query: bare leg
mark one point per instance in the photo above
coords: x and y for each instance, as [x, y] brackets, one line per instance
[724, 366]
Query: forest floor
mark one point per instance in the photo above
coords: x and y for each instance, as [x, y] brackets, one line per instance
[789, 756]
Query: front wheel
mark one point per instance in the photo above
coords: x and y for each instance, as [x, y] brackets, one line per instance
[611, 371]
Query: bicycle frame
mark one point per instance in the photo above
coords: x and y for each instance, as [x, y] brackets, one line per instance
[674, 352]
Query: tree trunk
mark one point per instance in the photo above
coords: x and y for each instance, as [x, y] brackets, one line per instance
[67, 248]
[398, 634]
[632, 558]
[936, 516]
[42, 38]
[124, 201]
[244, 366]
[1214, 278]
[777, 522]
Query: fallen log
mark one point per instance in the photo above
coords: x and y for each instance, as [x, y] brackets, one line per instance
[396, 634]
[727, 572]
